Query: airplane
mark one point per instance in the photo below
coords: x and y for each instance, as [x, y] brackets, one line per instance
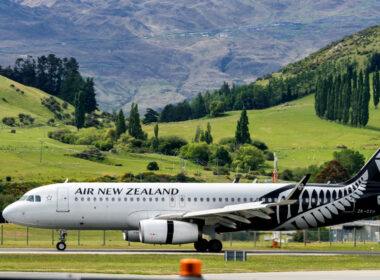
[179, 213]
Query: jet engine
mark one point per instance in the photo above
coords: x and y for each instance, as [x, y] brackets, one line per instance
[131, 235]
[168, 232]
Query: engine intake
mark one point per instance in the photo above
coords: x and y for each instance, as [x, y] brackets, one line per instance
[168, 232]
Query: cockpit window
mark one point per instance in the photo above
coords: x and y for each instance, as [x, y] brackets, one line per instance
[30, 198]
[38, 198]
[23, 197]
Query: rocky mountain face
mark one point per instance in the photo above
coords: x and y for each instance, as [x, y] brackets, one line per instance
[158, 51]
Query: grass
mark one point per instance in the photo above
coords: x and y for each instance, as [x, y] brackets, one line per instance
[293, 131]
[16, 237]
[169, 264]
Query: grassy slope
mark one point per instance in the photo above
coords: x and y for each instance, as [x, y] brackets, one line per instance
[27, 103]
[294, 132]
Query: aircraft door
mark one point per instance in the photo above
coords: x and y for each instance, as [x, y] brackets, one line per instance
[63, 199]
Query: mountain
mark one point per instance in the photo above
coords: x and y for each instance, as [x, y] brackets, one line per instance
[158, 52]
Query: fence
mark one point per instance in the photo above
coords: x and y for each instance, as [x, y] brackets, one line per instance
[18, 236]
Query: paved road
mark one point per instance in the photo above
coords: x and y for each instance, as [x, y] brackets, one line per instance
[174, 252]
[312, 275]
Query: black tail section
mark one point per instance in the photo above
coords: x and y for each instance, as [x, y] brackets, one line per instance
[373, 168]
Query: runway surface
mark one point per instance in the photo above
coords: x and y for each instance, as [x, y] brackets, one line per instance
[174, 252]
[312, 275]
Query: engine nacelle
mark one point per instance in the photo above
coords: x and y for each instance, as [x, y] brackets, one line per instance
[168, 232]
[131, 235]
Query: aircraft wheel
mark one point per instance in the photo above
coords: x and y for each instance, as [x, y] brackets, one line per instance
[61, 246]
[201, 245]
[215, 246]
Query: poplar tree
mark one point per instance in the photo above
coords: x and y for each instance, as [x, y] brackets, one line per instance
[376, 87]
[120, 123]
[366, 95]
[155, 141]
[207, 135]
[79, 109]
[242, 135]
[134, 127]
[197, 134]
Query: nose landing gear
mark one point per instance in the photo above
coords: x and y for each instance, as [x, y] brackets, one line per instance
[61, 246]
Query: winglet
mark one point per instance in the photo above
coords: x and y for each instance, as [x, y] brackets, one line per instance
[296, 191]
[67, 179]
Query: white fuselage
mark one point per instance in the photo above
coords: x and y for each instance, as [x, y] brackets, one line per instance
[123, 205]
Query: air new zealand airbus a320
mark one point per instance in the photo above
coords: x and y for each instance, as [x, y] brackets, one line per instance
[174, 213]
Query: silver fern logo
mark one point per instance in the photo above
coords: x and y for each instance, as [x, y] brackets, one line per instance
[327, 203]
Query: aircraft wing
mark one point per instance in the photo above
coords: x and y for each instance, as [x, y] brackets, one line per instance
[230, 214]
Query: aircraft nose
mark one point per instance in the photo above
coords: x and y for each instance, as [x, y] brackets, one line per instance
[7, 213]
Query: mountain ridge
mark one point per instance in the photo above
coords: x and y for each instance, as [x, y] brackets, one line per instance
[159, 52]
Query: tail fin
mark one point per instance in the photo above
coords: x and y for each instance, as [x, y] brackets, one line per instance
[373, 168]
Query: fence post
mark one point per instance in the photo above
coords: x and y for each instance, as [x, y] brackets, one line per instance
[104, 238]
[52, 237]
[319, 235]
[354, 236]
[304, 237]
[78, 237]
[254, 237]
[330, 236]
[2, 234]
[27, 235]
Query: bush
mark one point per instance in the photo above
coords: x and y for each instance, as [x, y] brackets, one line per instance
[196, 151]
[229, 142]
[104, 145]
[25, 119]
[92, 154]
[65, 105]
[152, 166]
[9, 121]
[221, 156]
[260, 145]
[170, 145]
[269, 155]
[287, 175]
[248, 157]
[352, 160]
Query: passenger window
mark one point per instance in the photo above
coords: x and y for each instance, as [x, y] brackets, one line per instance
[163, 199]
[125, 199]
[156, 198]
[207, 199]
[119, 199]
[101, 199]
[226, 199]
[131, 199]
[30, 198]
[150, 199]
[106, 198]
[88, 199]
[195, 199]
[269, 199]
[232, 199]
[238, 199]
[214, 199]
[201, 199]
[113, 199]
[137, 199]
[245, 199]
[220, 199]
[82, 199]
[94, 198]
[189, 199]
[144, 199]
[38, 198]
[76, 199]
[251, 199]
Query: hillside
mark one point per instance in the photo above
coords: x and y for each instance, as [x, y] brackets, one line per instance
[292, 130]
[16, 99]
[158, 52]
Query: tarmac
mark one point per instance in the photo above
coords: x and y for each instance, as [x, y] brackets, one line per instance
[310, 275]
[176, 252]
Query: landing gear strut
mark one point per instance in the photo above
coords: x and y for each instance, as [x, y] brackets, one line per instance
[61, 245]
[213, 245]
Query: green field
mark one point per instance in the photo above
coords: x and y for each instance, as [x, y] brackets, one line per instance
[293, 131]
[169, 264]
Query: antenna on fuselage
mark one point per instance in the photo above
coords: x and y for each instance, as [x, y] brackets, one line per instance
[67, 179]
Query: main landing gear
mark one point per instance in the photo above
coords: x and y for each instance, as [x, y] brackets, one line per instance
[61, 245]
[213, 245]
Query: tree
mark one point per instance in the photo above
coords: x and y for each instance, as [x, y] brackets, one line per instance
[222, 156]
[207, 136]
[242, 135]
[352, 160]
[248, 156]
[155, 141]
[134, 127]
[196, 151]
[197, 134]
[120, 123]
[152, 166]
[216, 108]
[89, 96]
[79, 110]
[334, 172]
[198, 107]
[150, 116]
[376, 88]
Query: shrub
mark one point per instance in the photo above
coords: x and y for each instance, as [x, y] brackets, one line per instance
[152, 166]
[196, 151]
[52, 104]
[104, 145]
[9, 121]
[8, 178]
[230, 142]
[13, 131]
[287, 175]
[269, 155]
[170, 145]
[248, 157]
[260, 145]
[92, 154]
[352, 160]
[65, 105]
[221, 156]
[25, 119]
